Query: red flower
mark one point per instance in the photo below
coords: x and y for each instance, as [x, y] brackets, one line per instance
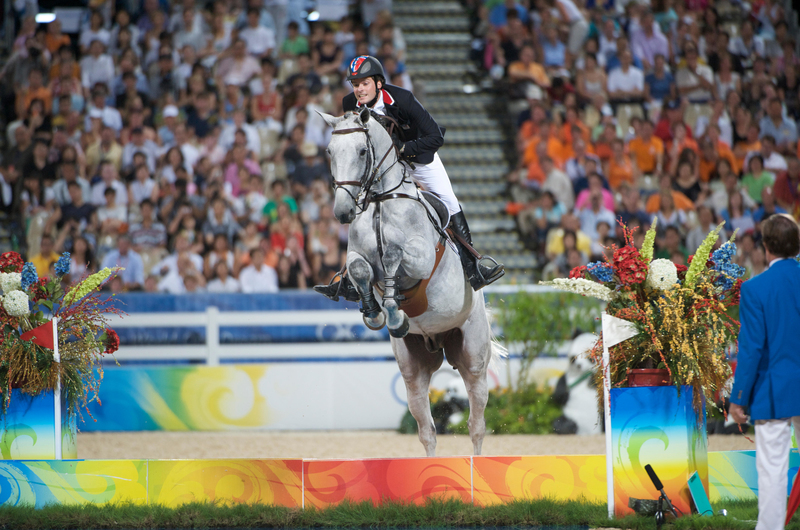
[709, 263]
[578, 272]
[112, 341]
[682, 271]
[629, 265]
[11, 262]
[736, 292]
[38, 291]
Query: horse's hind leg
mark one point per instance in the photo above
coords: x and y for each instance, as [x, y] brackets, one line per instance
[469, 350]
[417, 366]
[360, 273]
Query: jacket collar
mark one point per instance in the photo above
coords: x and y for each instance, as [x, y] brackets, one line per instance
[387, 98]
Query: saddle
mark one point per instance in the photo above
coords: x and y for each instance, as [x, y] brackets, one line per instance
[414, 300]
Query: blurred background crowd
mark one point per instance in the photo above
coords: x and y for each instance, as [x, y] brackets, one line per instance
[680, 111]
[181, 139]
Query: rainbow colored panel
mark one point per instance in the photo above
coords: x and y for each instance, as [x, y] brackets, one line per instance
[501, 479]
[733, 475]
[182, 399]
[414, 480]
[656, 426]
[44, 482]
[28, 431]
[275, 482]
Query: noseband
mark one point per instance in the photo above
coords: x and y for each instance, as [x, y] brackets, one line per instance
[368, 179]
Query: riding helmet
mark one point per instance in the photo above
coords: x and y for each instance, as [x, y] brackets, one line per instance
[365, 66]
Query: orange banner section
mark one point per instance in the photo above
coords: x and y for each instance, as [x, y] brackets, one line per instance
[329, 482]
[507, 478]
[275, 482]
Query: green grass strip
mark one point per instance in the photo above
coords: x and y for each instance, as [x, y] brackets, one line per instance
[438, 513]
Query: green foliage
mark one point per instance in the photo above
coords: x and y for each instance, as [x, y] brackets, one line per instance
[526, 410]
[433, 513]
[538, 322]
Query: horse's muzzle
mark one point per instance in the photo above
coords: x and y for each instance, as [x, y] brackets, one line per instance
[346, 217]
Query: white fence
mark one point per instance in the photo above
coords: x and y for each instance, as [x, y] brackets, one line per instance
[213, 351]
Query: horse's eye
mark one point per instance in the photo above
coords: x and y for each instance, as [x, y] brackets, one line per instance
[362, 152]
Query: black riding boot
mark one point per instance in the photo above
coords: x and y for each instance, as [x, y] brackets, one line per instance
[340, 286]
[479, 275]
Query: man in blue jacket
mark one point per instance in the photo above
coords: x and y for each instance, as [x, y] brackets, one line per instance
[768, 369]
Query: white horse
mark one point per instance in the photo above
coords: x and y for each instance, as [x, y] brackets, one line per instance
[395, 252]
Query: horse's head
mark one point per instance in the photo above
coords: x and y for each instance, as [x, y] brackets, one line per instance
[356, 141]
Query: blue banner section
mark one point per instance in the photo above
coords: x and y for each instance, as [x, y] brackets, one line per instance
[133, 303]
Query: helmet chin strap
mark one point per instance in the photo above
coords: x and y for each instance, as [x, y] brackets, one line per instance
[374, 100]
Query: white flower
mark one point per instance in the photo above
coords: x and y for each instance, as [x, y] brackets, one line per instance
[663, 275]
[10, 281]
[583, 287]
[16, 304]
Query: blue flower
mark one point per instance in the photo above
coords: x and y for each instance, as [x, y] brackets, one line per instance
[725, 253]
[602, 271]
[29, 276]
[63, 264]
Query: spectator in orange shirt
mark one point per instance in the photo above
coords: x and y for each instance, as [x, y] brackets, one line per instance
[572, 126]
[54, 38]
[620, 167]
[527, 71]
[603, 147]
[750, 143]
[680, 143]
[555, 149]
[647, 151]
[35, 90]
[709, 156]
[680, 200]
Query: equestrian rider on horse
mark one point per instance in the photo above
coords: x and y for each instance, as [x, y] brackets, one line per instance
[417, 141]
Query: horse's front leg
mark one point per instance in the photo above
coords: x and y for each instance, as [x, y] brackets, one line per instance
[417, 259]
[360, 272]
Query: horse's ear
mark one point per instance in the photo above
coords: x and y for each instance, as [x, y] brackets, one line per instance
[364, 115]
[330, 120]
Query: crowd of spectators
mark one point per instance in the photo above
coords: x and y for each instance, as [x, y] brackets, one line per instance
[182, 141]
[628, 111]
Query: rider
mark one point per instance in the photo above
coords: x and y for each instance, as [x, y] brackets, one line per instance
[420, 138]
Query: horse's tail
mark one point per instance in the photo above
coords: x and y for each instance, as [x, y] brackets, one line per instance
[499, 352]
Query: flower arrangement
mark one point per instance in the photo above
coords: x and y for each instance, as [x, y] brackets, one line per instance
[681, 313]
[27, 306]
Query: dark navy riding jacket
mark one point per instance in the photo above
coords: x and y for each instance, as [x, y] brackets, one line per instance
[420, 133]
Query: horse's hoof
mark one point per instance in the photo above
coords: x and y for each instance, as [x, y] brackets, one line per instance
[375, 323]
[402, 330]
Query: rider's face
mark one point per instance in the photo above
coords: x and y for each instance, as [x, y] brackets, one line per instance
[364, 90]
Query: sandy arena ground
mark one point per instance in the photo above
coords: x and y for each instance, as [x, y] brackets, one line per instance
[351, 444]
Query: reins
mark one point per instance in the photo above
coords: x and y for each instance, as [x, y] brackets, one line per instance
[368, 179]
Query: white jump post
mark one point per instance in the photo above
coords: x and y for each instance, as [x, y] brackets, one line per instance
[615, 330]
[57, 392]
[212, 336]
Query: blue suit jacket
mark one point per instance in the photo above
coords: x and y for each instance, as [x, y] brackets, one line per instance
[768, 372]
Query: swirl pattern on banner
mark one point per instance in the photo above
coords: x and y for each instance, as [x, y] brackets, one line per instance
[175, 482]
[503, 479]
[412, 480]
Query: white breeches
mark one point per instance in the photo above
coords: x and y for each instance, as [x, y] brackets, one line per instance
[433, 177]
[773, 442]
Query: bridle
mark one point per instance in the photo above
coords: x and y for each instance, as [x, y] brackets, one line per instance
[368, 178]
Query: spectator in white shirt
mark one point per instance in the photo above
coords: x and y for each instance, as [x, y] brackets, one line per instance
[138, 144]
[626, 83]
[260, 40]
[258, 277]
[192, 33]
[228, 136]
[223, 282]
[97, 67]
[237, 67]
[109, 179]
[95, 31]
[170, 263]
[694, 81]
[143, 187]
[747, 46]
[111, 116]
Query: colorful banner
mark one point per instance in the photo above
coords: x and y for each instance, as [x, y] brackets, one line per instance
[414, 480]
[43, 482]
[503, 479]
[656, 426]
[27, 431]
[250, 397]
[319, 483]
[276, 482]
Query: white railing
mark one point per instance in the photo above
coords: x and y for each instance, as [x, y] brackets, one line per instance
[213, 351]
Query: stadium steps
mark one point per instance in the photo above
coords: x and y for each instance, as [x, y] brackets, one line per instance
[478, 146]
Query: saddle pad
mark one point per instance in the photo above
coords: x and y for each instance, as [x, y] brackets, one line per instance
[436, 204]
